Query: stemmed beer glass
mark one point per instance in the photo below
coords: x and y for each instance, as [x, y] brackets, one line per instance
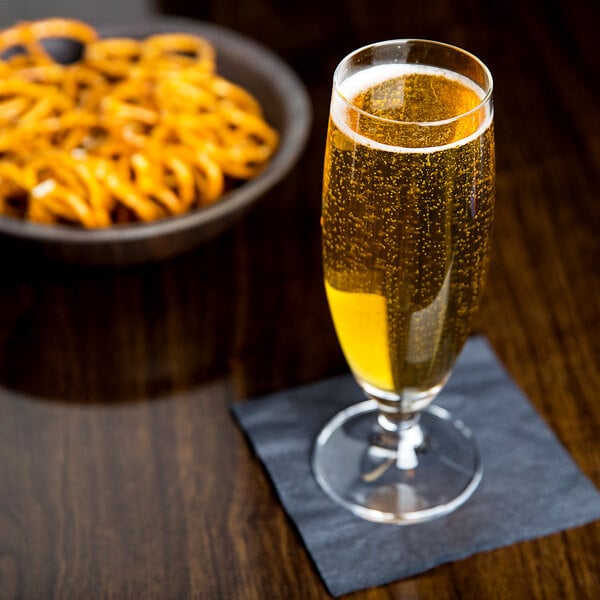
[408, 196]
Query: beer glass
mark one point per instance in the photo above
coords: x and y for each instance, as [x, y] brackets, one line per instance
[408, 196]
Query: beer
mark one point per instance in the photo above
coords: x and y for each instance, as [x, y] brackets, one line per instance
[408, 198]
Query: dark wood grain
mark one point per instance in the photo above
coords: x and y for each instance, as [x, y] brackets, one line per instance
[122, 473]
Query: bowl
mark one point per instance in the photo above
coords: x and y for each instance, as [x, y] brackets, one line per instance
[286, 107]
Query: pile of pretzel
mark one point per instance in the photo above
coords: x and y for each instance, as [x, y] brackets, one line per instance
[135, 130]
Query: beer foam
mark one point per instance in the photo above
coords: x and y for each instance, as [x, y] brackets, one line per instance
[377, 74]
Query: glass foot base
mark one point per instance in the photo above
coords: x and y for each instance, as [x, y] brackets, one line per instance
[427, 473]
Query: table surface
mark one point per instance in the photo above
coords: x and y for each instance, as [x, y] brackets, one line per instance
[122, 472]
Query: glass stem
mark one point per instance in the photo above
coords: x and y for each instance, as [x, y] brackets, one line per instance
[400, 433]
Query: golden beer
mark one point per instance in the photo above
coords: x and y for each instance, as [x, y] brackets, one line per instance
[408, 200]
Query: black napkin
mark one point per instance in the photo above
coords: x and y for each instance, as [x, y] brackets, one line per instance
[530, 488]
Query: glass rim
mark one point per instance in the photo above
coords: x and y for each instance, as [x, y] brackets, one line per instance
[485, 99]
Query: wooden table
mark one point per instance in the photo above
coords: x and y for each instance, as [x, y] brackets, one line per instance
[122, 472]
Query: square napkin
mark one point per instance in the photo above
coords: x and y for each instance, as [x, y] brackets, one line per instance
[531, 487]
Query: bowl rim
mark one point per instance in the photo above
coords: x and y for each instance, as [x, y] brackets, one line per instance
[298, 119]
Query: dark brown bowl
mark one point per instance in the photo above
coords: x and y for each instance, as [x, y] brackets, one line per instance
[286, 106]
